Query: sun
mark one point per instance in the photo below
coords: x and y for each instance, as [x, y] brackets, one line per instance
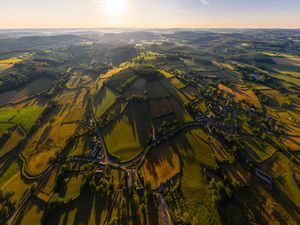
[114, 7]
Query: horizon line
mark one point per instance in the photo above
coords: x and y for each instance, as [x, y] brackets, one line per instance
[151, 28]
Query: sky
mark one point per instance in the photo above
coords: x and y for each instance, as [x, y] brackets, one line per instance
[149, 14]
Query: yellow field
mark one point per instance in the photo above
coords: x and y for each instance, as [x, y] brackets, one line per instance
[166, 74]
[161, 165]
[113, 71]
[8, 63]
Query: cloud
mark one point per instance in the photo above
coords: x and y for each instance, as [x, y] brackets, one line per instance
[205, 2]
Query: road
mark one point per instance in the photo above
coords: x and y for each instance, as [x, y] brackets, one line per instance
[163, 209]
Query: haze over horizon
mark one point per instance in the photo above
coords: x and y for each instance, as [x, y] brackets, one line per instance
[149, 14]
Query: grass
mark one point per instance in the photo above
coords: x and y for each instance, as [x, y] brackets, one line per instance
[258, 149]
[283, 170]
[47, 188]
[53, 135]
[4, 127]
[126, 137]
[26, 116]
[73, 188]
[195, 153]
[103, 101]
[79, 147]
[161, 164]
[77, 111]
[33, 214]
[11, 180]
[11, 143]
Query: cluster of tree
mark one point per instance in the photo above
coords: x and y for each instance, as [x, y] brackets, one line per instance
[220, 192]
[121, 80]
[147, 71]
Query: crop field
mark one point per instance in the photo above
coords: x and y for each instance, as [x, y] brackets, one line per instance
[162, 163]
[160, 107]
[195, 153]
[103, 101]
[132, 131]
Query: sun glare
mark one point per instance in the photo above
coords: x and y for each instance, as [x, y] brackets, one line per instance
[114, 7]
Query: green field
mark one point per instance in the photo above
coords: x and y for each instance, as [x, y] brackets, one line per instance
[26, 116]
[195, 153]
[132, 131]
[103, 101]
[10, 178]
